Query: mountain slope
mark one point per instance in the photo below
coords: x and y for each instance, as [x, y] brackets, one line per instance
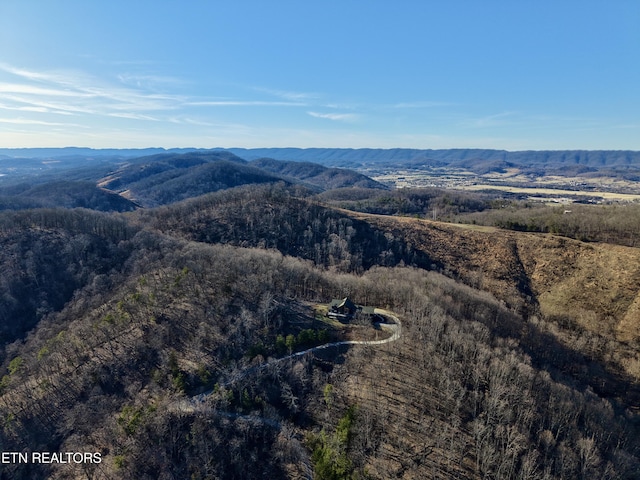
[167, 178]
[157, 356]
[347, 157]
[317, 175]
[564, 277]
[65, 194]
[163, 179]
[47, 256]
[453, 398]
[585, 295]
[270, 217]
[336, 157]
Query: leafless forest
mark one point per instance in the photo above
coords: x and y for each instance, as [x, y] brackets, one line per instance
[144, 334]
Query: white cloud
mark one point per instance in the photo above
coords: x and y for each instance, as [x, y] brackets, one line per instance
[148, 81]
[25, 109]
[28, 121]
[344, 117]
[495, 120]
[78, 93]
[423, 104]
[29, 75]
[134, 116]
[242, 103]
[33, 90]
[288, 95]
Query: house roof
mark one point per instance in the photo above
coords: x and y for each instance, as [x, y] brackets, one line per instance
[347, 303]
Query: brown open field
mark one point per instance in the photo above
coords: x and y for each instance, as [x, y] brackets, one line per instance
[608, 188]
[555, 191]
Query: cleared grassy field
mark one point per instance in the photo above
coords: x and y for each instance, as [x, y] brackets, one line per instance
[628, 197]
[608, 188]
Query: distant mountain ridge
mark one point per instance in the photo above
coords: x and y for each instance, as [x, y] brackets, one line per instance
[166, 178]
[347, 157]
[296, 162]
[63, 194]
[317, 175]
[84, 151]
[118, 183]
[357, 156]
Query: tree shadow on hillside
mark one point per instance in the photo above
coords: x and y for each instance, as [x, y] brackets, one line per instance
[565, 364]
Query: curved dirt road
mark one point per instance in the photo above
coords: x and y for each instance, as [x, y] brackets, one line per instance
[396, 328]
[197, 402]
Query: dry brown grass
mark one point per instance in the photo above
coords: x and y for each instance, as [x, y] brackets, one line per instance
[627, 197]
[596, 284]
[591, 287]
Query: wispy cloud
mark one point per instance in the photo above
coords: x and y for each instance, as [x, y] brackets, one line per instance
[43, 95]
[344, 117]
[243, 103]
[149, 81]
[495, 120]
[78, 93]
[221, 126]
[24, 108]
[28, 74]
[28, 121]
[288, 95]
[423, 104]
[34, 90]
[521, 121]
[134, 116]
[44, 105]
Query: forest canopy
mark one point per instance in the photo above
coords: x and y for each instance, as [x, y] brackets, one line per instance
[169, 335]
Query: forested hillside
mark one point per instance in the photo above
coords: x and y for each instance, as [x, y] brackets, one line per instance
[316, 175]
[467, 157]
[614, 222]
[271, 217]
[153, 338]
[70, 180]
[47, 255]
[620, 163]
[163, 179]
[66, 194]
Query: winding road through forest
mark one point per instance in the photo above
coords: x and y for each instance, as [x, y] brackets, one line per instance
[196, 403]
[395, 327]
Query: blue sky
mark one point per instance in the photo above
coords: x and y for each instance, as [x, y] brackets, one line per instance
[419, 74]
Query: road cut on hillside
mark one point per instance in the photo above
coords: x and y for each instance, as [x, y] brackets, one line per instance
[196, 402]
[395, 327]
